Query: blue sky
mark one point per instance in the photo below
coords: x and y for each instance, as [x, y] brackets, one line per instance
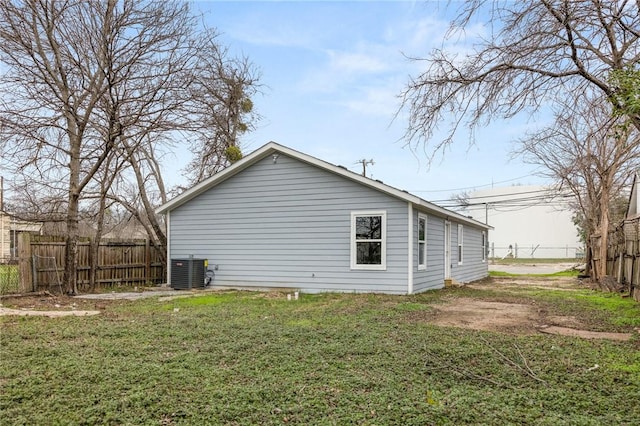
[332, 73]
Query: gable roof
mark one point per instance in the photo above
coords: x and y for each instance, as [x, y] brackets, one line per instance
[272, 148]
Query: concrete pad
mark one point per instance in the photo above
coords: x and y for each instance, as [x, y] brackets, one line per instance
[50, 314]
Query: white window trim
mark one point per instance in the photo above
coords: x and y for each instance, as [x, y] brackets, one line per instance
[460, 244]
[383, 264]
[422, 263]
[484, 246]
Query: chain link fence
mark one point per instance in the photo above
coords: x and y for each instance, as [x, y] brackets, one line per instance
[535, 251]
[9, 275]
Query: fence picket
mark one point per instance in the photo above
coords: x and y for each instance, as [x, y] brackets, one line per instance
[623, 255]
[119, 263]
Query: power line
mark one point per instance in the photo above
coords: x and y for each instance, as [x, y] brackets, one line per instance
[542, 198]
[470, 187]
[543, 193]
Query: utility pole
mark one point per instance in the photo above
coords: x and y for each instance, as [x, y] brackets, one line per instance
[364, 163]
[486, 213]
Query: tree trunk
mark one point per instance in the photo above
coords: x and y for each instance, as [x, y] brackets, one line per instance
[587, 260]
[95, 242]
[93, 261]
[158, 229]
[95, 247]
[71, 257]
[604, 230]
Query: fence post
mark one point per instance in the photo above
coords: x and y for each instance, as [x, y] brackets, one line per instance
[620, 268]
[147, 261]
[24, 262]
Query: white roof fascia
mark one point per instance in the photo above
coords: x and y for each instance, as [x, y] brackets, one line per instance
[275, 147]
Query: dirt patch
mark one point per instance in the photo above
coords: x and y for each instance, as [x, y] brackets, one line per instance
[515, 317]
[506, 283]
[490, 316]
[45, 304]
[564, 331]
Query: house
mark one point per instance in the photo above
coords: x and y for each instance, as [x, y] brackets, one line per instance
[10, 228]
[530, 221]
[633, 209]
[630, 225]
[628, 272]
[279, 218]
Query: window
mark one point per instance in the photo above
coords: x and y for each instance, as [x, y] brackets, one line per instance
[422, 242]
[368, 240]
[460, 243]
[484, 246]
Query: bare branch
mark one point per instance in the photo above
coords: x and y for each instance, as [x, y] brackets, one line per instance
[93, 89]
[541, 53]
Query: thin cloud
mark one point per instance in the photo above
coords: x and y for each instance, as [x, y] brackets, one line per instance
[366, 77]
[375, 100]
[356, 62]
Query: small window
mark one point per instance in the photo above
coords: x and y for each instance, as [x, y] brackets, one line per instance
[484, 246]
[460, 243]
[368, 240]
[422, 242]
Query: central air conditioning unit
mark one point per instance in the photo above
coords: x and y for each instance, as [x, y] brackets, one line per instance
[187, 274]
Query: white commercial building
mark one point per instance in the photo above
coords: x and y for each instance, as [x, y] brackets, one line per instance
[529, 222]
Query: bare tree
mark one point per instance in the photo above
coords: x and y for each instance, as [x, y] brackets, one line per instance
[142, 190]
[57, 59]
[104, 181]
[590, 152]
[221, 105]
[94, 81]
[147, 90]
[536, 53]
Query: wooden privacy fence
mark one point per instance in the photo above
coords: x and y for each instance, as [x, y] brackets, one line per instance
[119, 263]
[623, 255]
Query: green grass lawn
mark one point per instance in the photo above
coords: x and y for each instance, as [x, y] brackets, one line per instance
[249, 358]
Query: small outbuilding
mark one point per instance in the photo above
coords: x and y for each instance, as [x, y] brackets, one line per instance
[279, 218]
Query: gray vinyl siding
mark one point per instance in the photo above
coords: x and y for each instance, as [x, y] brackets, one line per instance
[433, 276]
[287, 225]
[472, 268]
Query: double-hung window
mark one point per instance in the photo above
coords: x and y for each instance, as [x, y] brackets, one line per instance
[422, 242]
[460, 244]
[368, 240]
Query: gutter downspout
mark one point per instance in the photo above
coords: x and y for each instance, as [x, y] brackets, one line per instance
[168, 219]
[410, 248]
